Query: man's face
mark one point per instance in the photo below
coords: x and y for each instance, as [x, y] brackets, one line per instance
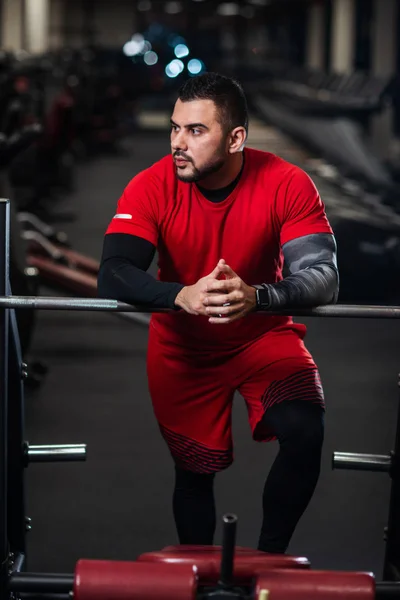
[198, 143]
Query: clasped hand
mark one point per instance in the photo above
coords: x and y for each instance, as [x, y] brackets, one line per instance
[222, 296]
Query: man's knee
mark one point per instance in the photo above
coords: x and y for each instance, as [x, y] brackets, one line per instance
[299, 426]
[190, 480]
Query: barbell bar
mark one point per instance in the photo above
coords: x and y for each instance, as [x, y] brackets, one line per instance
[105, 305]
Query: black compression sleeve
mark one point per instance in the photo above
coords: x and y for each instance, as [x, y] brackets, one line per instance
[314, 277]
[122, 274]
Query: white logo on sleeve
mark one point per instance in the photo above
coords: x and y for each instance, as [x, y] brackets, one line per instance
[122, 216]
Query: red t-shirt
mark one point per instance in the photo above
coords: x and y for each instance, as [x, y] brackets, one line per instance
[273, 203]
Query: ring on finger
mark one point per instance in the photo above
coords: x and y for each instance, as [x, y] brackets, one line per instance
[226, 304]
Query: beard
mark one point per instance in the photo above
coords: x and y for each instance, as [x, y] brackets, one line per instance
[199, 174]
[213, 166]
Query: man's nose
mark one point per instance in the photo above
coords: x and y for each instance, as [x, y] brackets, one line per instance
[179, 141]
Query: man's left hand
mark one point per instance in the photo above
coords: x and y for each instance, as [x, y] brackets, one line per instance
[229, 299]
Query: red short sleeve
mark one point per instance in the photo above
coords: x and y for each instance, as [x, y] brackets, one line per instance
[137, 209]
[300, 208]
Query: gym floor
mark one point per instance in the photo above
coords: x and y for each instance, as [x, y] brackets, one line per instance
[117, 504]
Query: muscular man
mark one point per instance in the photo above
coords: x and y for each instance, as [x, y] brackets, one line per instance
[224, 219]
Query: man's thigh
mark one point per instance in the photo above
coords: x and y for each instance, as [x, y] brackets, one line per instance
[277, 368]
[193, 406]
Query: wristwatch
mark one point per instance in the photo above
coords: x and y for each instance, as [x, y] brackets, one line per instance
[262, 297]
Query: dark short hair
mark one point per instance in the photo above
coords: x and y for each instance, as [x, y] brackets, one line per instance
[225, 92]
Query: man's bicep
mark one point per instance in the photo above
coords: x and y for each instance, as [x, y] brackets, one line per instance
[137, 212]
[138, 251]
[301, 209]
[306, 251]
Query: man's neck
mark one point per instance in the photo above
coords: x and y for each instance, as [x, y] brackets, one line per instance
[224, 176]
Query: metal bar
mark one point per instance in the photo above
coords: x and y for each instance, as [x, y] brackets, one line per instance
[40, 583]
[15, 465]
[18, 563]
[63, 584]
[47, 596]
[45, 244]
[56, 453]
[54, 303]
[391, 563]
[39, 596]
[387, 589]
[228, 550]
[44, 228]
[361, 462]
[98, 304]
[4, 322]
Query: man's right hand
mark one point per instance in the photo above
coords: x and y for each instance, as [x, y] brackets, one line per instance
[191, 297]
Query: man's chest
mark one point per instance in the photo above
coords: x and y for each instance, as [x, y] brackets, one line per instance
[195, 229]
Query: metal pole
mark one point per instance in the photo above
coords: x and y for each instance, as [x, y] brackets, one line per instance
[228, 550]
[4, 319]
[16, 524]
[18, 563]
[362, 462]
[41, 583]
[387, 589]
[391, 568]
[56, 453]
[345, 311]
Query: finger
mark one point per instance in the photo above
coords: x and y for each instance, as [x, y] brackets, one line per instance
[228, 271]
[217, 299]
[217, 272]
[229, 319]
[199, 309]
[221, 285]
[218, 269]
[225, 310]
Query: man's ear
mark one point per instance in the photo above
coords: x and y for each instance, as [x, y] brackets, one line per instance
[237, 140]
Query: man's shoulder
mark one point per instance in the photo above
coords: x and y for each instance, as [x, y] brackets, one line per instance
[272, 163]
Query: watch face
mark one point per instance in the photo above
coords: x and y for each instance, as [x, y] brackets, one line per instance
[263, 298]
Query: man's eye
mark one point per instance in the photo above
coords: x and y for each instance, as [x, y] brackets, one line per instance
[195, 131]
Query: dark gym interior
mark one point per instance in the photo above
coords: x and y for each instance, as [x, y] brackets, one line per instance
[87, 89]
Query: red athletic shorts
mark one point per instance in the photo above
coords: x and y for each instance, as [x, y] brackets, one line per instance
[192, 392]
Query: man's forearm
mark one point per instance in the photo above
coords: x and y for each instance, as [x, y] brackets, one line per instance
[122, 281]
[314, 277]
[313, 286]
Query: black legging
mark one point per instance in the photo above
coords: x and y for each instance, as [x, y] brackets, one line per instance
[299, 427]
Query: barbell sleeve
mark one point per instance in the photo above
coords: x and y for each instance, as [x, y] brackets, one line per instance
[362, 462]
[56, 453]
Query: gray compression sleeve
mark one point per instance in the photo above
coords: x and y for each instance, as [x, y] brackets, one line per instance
[313, 277]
